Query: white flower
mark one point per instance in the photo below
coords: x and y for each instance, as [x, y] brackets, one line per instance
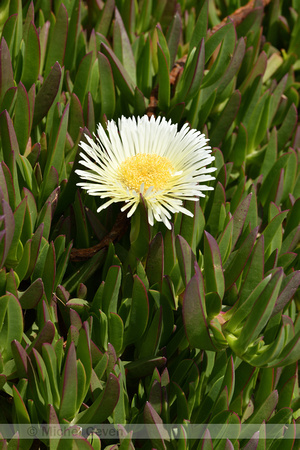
[147, 157]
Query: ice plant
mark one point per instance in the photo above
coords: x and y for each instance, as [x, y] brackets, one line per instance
[149, 158]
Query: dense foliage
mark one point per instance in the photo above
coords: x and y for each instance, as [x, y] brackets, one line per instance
[198, 324]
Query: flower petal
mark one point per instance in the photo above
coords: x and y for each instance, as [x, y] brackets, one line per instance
[186, 150]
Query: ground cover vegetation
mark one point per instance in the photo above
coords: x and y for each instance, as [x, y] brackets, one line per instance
[107, 319]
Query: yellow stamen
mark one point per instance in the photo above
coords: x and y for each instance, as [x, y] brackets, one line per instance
[152, 170]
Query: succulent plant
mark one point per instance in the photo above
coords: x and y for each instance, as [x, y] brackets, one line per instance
[110, 320]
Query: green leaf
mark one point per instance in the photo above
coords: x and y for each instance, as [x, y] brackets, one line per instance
[239, 218]
[12, 328]
[45, 335]
[55, 156]
[262, 127]
[238, 154]
[20, 357]
[255, 271]
[23, 263]
[215, 39]
[155, 261]
[33, 294]
[55, 426]
[49, 271]
[9, 99]
[295, 36]
[140, 234]
[258, 69]
[270, 231]
[103, 24]
[225, 120]
[244, 309]
[48, 186]
[290, 285]
[200, 29]
[76, 122]
[6, 72]
[95, 441]
[31, 65]
[122, 47]
[111, 290]
[46, 95]
[9, 27]
[84, 354]
[273, 174]
[195, 316]
[263, 412]
[61, 265]
[286, 393]
[115, 331]
[249, 101]
[232, 68]
[82, 77]
[22, 118]
[224, 56]
[191, 78]
[21, 410]
[104, 405]
[290, 174]
[139, 102]
[163, 80]
[256, 121]
[101, 337]
[85, 271]
[145, 16]
[276, 98]
[206, 443]
[235, 265]
[50, 360]
[129, 17]
[107, 87]
[143, 69]
[151, 339]
[10, 149]
[270, 154]
[58, 40]
[287, 127]
[183, 412]
[68, 386]
[169, 251]
[152, 418]
[34, 250]
[289, 354]
[214, 278]
[43, 382]
[291, 241]
[186, 259]
[139, 312]
[225, 241]
[229, 379]
[82, 232]
[260, 312]
[40, 262]
[73, 33]
[204, 107]
[19, 215]
[173, 37]
[7, 235]
[215, 202]
[3, 301]
[121, 77]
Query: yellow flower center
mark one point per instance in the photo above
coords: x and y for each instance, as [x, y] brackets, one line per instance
[152, 170]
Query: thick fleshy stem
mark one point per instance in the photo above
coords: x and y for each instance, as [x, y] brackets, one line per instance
[115, 234]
